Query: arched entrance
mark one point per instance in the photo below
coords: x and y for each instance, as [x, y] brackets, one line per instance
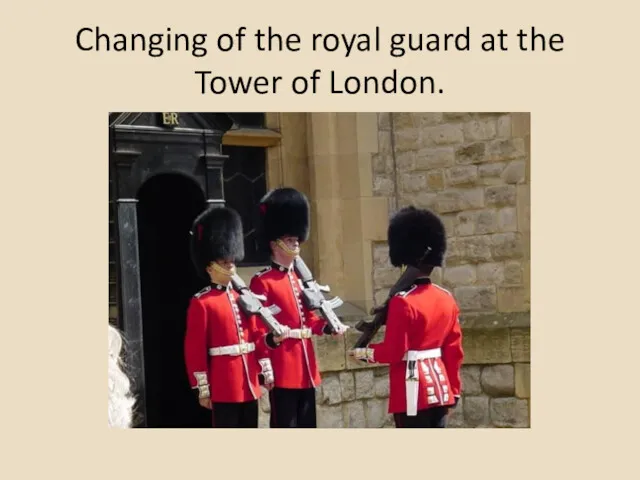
[167, 205]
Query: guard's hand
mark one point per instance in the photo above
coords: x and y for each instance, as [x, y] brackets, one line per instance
[341, 331]
[205, 402]
[283, 336]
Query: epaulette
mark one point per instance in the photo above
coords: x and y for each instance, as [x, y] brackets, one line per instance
[262, 272]
[404, 293]
[202, 292]
[443, 289]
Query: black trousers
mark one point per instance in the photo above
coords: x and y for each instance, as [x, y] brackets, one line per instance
[293, 408]
[235, 415]
[435, 417]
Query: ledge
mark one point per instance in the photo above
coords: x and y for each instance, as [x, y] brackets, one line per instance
[495, 320]
[251, 137]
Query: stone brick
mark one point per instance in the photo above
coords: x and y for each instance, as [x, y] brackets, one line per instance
[456, 200]
[491, 173]
[498, 380]
[477, 222]
[364, 384]
[507, 219]
[524, 208]
[265, 405]
[509, 412]
[381, 386]
[355, 415]
[383, 186]
[469, 250]
[382, 164]
[513, 299]
[472, 153]
[381, 296]
[477, 299]
[436, 276]
[456, 416]
[405, 161]
[521, 344]
[425, 200]
[447, 134]
[513, 273]
[330, 353]
[461, 175]
[386, 277]
[523, 380]
[476, 411]
[403, 120]
[514, 172]
[500, 195]
[330, 416]
[413, 182]
[470, 378]
[429, 158]
[381, 254]
[486, 346]
[376, 412]
[460, 275]
[478, 130]
[456, 116]
[491, 273]
[347, 386]
[428, 119]
[502, 150]
[435, 180]
[503, 126]
[407, 139]
[331, 392]
[384, 121]
[384, 144]
[506, 246]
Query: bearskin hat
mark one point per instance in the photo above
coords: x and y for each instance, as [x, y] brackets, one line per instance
[284, 211]
[216, 233]
[416, 237]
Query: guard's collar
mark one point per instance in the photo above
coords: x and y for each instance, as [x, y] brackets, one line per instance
[276, 266]
[422, 281]
[217, 286]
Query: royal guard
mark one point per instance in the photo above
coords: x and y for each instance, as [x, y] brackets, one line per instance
[285, 223]
[225, 352]
[423, 340]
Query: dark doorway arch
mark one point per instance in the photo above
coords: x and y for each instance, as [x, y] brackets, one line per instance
[167, 205]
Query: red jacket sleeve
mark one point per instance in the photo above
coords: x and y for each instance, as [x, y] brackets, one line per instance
[315, 322]
[452, 354]
[395, 343]
[258, 333]
[259, 287]
[195, 344]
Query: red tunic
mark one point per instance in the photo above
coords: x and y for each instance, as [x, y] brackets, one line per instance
[294, 361]
[422, 318]
[212, 322]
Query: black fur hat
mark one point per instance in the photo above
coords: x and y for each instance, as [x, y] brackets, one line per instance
[416, 236]
[284, 211]
[216, 233]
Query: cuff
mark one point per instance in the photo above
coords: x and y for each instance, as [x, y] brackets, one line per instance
[202, 386]
[266, 374]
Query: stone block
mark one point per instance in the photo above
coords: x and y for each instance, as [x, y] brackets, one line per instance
[382, 164]
[524, 208]
[407, 139]
[329, 416]
[486, 346]
[355, 415]
[381, 254]
[428, 119]
[513, 299]
[435, 180]
[476, 298]
[470, 154]
[381, 386]
[491, 273]
[423, 200]
[385, 277]
[520, 344]
[507, 220]
[503, 150]
[498, 380]
[384, 121]
[438, 157]
[413, 182]
[364, 384]
[460, 275]
[503, 126]
[331, 391]
[507, 246]
[406, 161]
[491, 173]
[479, 130]
[461, 175]
[347, 386]
[376, 412]
[476, 411]
[330, 353]
[523, 380]
[515, 172]
[470, 378]
[383, 186]
[509, 412]
[477, 222]
[447, 134]
[500, 195]
[381, 296]
[513, 273]
[472, 250]
[456, 416]
[403, 121]
[456, 200]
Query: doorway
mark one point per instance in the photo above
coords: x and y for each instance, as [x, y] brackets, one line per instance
[168, 204]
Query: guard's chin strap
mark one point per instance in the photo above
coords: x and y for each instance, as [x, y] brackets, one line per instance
[287, 250]
[229, 273]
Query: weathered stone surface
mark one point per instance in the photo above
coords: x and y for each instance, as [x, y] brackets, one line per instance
[509, 412]
[498, 380]
[461, 175]
[512, 273]
[501, 150]
[428, 119]
[507, 220]
[472, 153]
[514, 172]
[456, 416]
[384, 121]
[477, 222]
[381, 386]
[435, 180]
[470, 377]
[263, 420]
[460, 275]
[355, 415]
[490, 173]
[491, 273]
[386, 277]
[405, 161]
[446, 134]
[513, 299]
[329, 416]
[495, 320]
[413, 182]
[486, 346]
[455, 200]
[424, 200]
[477, 130]
[430, 158]
[381, 254]
[403, 120]
[506, 246]
[478, 298]
[384, 144]
[382, 164]
[265, 405]
[520, 344]
[407, 139]
[500, 195]
[376, 412]
[364, 384]
[476, 411]
[469, 250]
[331, 392]
[347, 386]
[503, 126]
[383, 186]
[523, 380]
[380, 296]
[330, 353]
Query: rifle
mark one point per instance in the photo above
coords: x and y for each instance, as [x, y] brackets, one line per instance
[369, 329]
[251, 304]
[314, 299]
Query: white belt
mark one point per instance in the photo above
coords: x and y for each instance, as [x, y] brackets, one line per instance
[300, 333]
[412, 379]
[233, 350]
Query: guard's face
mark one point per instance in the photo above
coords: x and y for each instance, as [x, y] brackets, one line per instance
[292, 243]
[225, 267]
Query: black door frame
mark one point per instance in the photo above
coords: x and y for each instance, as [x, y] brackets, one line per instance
[140, 147]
